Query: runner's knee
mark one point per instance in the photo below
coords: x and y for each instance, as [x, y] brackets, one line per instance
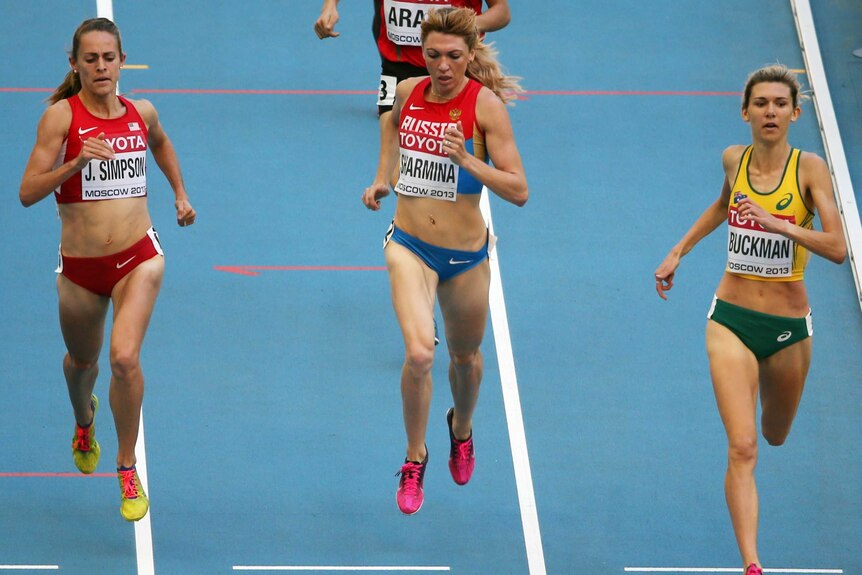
[79, 364]
[124, 363]
[464, 359]
[742, 450]
[419, 359]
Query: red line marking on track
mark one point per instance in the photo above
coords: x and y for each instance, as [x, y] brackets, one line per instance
[626, 93]
[254, 270]
[370, 92]
[49, 474]
[256, 92]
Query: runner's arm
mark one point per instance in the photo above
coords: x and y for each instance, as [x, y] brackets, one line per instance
[41, 177]
[496, 17]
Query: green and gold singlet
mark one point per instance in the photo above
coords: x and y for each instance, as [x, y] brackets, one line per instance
[754, 253]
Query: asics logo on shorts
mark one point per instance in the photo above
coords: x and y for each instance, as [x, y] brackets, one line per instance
[784, 336]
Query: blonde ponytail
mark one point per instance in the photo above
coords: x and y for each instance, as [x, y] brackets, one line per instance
[485, 68]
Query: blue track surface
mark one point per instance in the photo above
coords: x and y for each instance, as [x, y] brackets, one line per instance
[273, 423]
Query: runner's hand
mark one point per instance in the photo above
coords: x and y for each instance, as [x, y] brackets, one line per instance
[453, 144]
[94, 149]
[750, 211]
[185, 213]
[664, 274]
[373, 194]
[325, 25]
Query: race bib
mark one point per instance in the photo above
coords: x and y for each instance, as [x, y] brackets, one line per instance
[125, 176]
[427, 176]
[386, 94]
[404, 18]
[754, 251]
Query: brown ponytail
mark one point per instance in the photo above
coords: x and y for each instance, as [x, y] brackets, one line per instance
[70, 86]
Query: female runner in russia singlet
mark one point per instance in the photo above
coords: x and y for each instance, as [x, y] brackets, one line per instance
[426, 170]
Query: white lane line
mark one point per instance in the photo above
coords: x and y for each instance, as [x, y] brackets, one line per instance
[105, 9]
[512, 403]
[143, 528]
[844, 195]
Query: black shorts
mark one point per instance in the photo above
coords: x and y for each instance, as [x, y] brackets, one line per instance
[391, 73]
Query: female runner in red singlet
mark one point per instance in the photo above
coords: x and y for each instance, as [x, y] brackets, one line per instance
[90, 150]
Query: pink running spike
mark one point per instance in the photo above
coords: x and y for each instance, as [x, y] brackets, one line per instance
[410, 495]
[461, 456]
